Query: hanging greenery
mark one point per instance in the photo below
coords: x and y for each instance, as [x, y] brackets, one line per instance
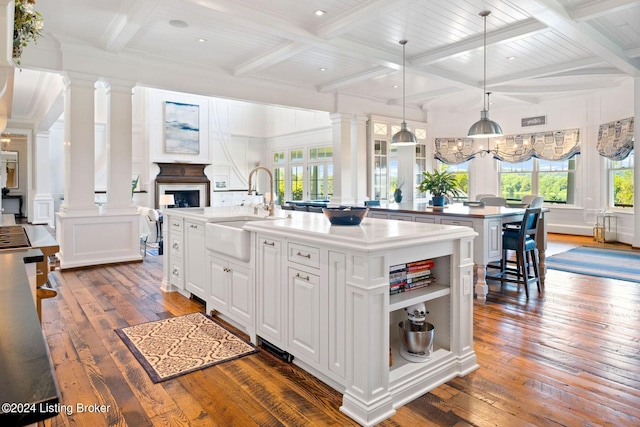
[27, 27]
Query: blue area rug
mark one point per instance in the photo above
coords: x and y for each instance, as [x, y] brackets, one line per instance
[609, 263]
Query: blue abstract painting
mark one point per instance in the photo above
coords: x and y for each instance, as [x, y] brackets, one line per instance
[181, 128]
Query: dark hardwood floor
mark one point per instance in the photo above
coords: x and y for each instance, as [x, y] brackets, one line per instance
[570, 356]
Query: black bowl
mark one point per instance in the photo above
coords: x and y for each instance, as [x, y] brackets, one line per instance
[345, 215]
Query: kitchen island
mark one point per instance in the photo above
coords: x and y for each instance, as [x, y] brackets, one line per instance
[487, 221]
[320, 294]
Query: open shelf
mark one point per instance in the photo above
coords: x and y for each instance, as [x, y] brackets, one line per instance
[405, 299]
[402, 368]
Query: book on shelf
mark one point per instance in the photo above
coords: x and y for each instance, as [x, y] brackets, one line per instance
[397, 267]
[417, 278]
[418, 273]
[425, 262]
[420, 284]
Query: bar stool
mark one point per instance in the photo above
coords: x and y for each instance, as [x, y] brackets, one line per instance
[521, 239]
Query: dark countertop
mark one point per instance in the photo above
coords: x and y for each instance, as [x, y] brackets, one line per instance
[26, 374]
[456, 209]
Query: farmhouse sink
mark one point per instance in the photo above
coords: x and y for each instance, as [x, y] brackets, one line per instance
[228, 237]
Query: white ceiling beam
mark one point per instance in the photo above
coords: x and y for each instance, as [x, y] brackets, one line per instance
[424, 96]
[598, 8]
[554, 15]
[126, 23]
[599, 71]
[503, 35]
[338, 84]
[359, 16]
[273, 57]
[545, 71]
[565, 87]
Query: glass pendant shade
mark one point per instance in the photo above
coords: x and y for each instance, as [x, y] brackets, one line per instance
[484, 128]
[403, 137]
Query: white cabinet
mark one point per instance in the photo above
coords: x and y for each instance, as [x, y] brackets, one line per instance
[231, 290]
[195, 258]
[304, 315]
[271, 292]
[174, 254]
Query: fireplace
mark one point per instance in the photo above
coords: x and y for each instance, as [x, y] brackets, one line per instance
[186, 181]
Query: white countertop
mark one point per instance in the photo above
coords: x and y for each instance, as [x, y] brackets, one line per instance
[371, 235]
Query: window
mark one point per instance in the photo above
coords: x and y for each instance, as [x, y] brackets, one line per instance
[420, 166]
[461, 171]
[621, 182]
[553, 180]
[297, 185]
[380, 188]
[279, 185]
[320, 173]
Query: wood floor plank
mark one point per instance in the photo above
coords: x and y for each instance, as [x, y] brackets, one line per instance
[567, 356]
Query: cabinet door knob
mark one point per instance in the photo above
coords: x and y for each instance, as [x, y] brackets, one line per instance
[193, 226]
[298, 275]
[269, 243]
[304, 256]
[176, 272]
[176, 246]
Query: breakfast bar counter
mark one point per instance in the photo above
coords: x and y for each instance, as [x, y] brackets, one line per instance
[487, 221]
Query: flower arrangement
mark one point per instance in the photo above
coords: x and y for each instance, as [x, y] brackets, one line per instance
[27, 26]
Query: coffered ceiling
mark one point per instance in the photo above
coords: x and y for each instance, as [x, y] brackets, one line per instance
[535, 48]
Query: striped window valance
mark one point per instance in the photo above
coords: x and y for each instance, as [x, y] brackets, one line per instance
[552, 145]
[615, 139]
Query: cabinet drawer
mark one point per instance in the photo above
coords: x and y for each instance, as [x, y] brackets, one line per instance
[305, 255]
[401, 217]
[176, 275]
[176, 225]
[425, 219]
[175, 246]
[457, 222]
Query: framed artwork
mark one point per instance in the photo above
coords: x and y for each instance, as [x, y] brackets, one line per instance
[220, 183]
[181, 128]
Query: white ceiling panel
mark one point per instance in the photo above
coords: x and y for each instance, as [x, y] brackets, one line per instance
[576, 42]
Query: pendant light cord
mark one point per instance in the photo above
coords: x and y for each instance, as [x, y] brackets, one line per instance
[484, 86]
[404, 44]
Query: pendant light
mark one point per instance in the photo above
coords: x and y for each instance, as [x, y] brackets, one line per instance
[404, 136]
[485, 128]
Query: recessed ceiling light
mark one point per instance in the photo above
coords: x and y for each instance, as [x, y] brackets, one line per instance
[178, 23]
[511, 58]
[396, 86]
[323, 69]
[201, 40]
[319, 12]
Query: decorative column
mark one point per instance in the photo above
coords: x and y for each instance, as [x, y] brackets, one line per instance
[359, 158]
[43, 207]
[342, 169]
[406, 163]
[79, 145]
[119, 146]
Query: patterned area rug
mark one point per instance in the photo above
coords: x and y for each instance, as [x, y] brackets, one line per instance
[609, 263]
[172, 347]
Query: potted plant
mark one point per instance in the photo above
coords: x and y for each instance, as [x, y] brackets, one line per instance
[439, 184]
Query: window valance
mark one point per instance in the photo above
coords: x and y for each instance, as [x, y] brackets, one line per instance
[551, 145]
[615, 139]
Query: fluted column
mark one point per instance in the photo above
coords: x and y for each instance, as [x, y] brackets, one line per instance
[119, 146]
[43, 206]
[79, 145]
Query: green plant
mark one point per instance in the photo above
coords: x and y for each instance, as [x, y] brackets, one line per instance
[439, 183]
[27, 26]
